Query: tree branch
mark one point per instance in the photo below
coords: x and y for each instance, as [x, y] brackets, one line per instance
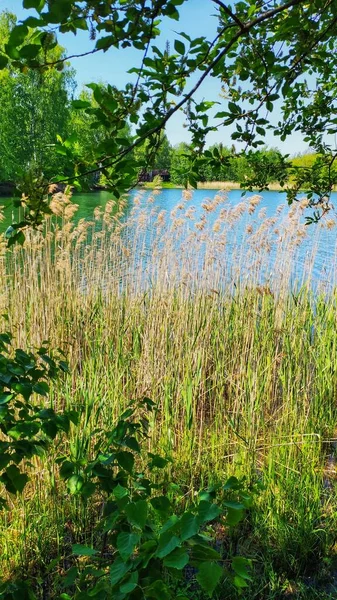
[269, 14]
[228, 11]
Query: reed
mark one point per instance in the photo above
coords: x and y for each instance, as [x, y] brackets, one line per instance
[179, 307]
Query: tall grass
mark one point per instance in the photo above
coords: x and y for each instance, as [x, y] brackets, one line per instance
[178, 307]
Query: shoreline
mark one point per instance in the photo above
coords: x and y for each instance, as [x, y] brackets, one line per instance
[208, 185]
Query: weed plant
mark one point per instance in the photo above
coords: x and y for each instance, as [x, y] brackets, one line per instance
[243, 367]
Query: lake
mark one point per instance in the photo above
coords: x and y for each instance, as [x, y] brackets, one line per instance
[251, 228]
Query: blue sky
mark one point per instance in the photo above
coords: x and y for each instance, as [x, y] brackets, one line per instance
[197, 18]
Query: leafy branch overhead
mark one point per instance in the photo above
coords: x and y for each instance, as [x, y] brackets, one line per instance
[275, 62]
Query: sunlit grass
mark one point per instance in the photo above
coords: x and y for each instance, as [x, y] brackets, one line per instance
[177, 307]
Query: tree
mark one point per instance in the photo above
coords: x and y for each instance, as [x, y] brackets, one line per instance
[35, 108]
[268, 55]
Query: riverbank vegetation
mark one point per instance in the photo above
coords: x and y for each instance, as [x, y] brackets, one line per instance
[242, 372]
[43, 132]
[168, 378]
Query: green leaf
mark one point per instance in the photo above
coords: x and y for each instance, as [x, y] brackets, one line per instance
[79, 104]
[18, 35]
[67, 469]
[208, 577]
[132, 442]
[158, 590]
[161, 504]
[234, 505]
[207, 511]
[232, 484]
[41, 388]
[239, 582]
[33, 22]
[188, 526]
[178, 559]
[29, 51]
[5, 397]
[16, 478]
[234, 516]
[37, 4]
[136, 513]
[126, 460]
[234, 108]
[126, 543]
[167, 543]
[241, 565]
[3, 61]
[75, 484]
[105, 42]
[118, 569]
[130, 584]
[202, 553]
[179, 47]
[88, 489]
[157, 461]
[80, 550]
[120, 492]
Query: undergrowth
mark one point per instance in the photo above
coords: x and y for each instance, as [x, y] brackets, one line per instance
[176, 308]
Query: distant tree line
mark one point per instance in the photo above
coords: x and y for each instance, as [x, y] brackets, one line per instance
[42, 129]
[227, 164]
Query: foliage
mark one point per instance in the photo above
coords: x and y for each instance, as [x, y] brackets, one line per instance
[243, 367]
[35, 108]
[26, 426]
[144, 546]
[275, 56]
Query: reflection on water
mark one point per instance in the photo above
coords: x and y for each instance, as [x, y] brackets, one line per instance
[215, 236]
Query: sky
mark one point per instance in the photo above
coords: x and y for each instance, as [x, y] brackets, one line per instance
[197, 18]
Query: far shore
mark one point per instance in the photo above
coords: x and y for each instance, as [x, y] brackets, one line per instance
[216, 185]
[207, 185]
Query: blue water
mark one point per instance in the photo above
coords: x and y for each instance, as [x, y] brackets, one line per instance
[313, 259]
[319, 265]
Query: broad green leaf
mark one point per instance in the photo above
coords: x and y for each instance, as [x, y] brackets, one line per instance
[232, 484]
[158, 590]
[3, 61]
[67, 469]
[131, 442]
[239, 582]
[75, 484]
[17, 479]
[234, 516]
[105, 42]
[201, 553]
[179, 47]
[167, 542]
[161, 504]
[41, 388]
[37, 4]
[241, 565]
[157, 461]
[120, 492]
[29, 51]
[188, 526]
[118, 569]
[80, 550]
[177, 559]
[208, 577]
[207, 511]
[79, 104]
[126, 543]
[136, 513]
[18, 35]
[5, 397]
[126, 460]
[234, 505]
[130, 584]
